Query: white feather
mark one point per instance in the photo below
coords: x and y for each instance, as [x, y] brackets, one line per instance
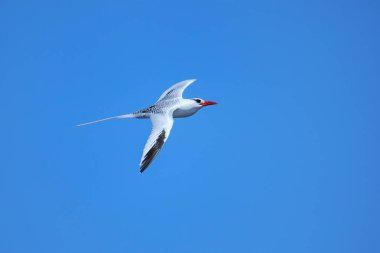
[176, 90]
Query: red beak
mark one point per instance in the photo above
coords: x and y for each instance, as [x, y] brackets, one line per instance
[206, 103]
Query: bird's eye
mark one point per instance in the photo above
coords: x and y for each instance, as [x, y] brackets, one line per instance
[198, 100]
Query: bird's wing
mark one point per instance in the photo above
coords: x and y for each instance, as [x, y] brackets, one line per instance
[161, 126]
[176, 90]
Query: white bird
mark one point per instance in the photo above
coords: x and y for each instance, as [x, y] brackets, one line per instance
[170, 105]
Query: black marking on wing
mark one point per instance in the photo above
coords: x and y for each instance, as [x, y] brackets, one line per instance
[168, 94]
[148, 158]
[151, 109]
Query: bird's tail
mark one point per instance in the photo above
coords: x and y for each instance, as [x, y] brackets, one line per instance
[114, 117]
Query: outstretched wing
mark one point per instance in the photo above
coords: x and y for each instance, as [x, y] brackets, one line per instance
[176, 90]
[162, 124]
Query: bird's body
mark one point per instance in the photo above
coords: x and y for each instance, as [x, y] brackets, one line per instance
[181, 108]
[170, 105]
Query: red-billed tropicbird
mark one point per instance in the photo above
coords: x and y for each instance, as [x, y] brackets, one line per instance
[170, 105]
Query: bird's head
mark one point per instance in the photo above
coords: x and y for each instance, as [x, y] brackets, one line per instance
[201, 103]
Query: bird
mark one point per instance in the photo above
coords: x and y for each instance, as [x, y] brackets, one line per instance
[170, 105]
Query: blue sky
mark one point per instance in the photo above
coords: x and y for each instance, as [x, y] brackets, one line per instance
[287, 162]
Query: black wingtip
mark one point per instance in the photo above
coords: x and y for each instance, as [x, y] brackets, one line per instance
[149, 157]
[143, 167]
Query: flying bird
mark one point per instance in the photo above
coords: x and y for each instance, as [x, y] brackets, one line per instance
[170, 105]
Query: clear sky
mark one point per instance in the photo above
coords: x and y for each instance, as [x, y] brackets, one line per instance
[287, 162]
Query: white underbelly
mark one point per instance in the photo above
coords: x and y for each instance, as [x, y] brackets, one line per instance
[180, 113]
